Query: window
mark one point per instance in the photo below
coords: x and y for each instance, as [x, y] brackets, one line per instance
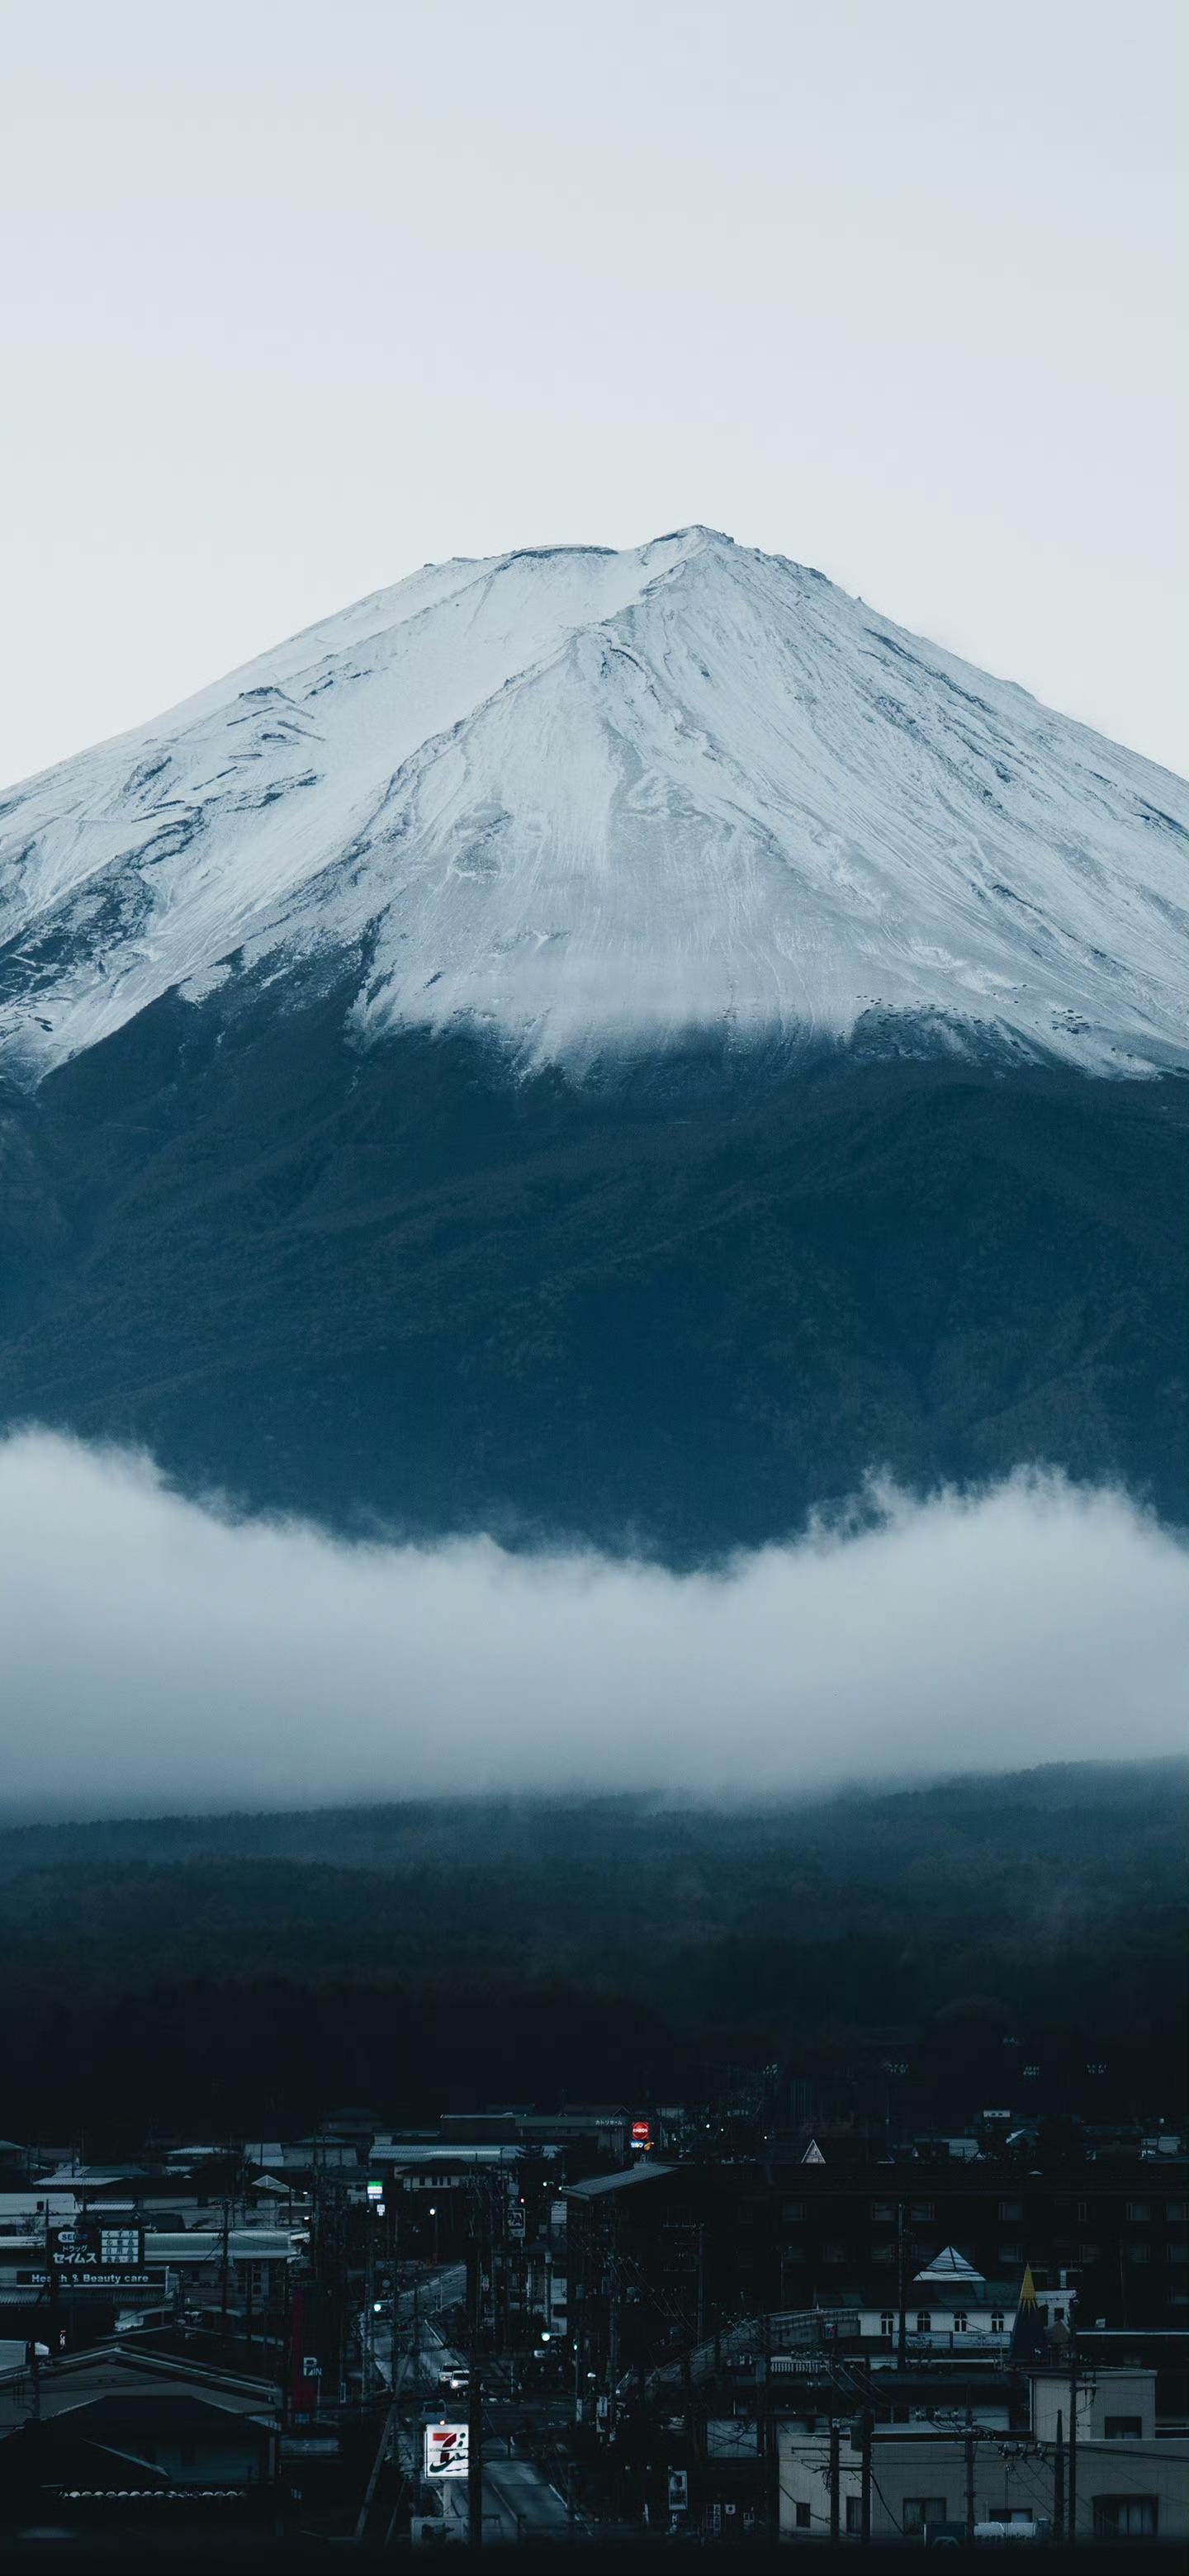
[884, 2212]
[1176, 2209]
[1136, 2514]
[1124, 2428]
[918, 2510]
[887, 2322]
[924, 2321]
[883, 2253]
[833, 2253]
[1139, 2211]
[1011, 2254]
[792, 2212]
[802, 2517]
[997, 2324]
[854, 2514]
[959, 2321]
[1178, 2253]
[1139, 2253]
[921, 2209]
[1012, 2211]
[1089, 2253]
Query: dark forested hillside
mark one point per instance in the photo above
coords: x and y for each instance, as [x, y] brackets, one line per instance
[196, 1971]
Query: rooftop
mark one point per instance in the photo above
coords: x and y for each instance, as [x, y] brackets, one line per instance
[598, 2186]
[118, 2370]
[950, 2270]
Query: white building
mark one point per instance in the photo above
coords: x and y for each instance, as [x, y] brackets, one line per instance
[1131, 2482]
[948, 2308]
[951, 2308]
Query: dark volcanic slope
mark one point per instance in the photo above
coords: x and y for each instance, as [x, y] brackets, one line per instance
[679, 1307]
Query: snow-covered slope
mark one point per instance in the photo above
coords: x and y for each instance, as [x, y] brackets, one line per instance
[591, 800]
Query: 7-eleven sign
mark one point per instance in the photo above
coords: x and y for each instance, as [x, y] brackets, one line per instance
[445, 2450]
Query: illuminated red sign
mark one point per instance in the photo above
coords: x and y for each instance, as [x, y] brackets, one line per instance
[641, 2133]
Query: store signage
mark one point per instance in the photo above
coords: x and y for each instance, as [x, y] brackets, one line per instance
[76, 2273]
[120, 2245]
[446, 2448]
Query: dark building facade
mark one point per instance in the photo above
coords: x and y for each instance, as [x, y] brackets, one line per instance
[1118, 2230]
[659, 2255]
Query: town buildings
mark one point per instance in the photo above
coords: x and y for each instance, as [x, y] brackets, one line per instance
[714, 2341]
[947, 2466]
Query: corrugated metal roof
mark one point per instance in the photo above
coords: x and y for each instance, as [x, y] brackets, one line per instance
[451, 2152]
[80, 2378]
[205, 2245]
[599, 2184]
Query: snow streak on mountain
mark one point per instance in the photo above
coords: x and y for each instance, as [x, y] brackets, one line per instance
[593, 802]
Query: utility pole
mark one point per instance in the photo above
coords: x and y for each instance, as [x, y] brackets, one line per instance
[613, 2339]
[52, 2285]
[386, 2445]
[1072, 2483]
[475, 2389]
[969, 2447]
[367, 2340]
[225, 2266]
[475, 2460]
[901, 2268]
[287, 2353]
[834, 2514]
[1059, 2483]
[866, 2424]
[687, 2393]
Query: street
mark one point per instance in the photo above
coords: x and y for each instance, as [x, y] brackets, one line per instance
[518, 2501]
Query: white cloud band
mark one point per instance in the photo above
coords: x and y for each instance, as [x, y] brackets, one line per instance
[157, 1654]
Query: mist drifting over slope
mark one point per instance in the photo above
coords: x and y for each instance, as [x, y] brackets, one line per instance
[211, 1661]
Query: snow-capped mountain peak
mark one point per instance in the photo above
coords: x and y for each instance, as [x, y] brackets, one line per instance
[590, 800]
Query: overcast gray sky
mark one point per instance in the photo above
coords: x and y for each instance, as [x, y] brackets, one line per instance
[298, 296]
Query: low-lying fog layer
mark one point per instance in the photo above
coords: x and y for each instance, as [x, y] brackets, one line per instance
[157, 1653]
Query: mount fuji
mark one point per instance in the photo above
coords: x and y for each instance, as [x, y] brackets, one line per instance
[595, 801]
[607, 1044]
